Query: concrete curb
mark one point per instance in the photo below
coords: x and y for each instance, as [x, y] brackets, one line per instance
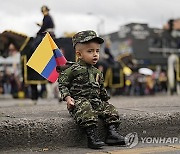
[22, 132]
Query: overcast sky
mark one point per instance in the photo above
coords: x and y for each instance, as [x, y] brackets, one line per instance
[103, 16]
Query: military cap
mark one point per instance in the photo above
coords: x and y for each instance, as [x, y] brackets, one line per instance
[85, 36]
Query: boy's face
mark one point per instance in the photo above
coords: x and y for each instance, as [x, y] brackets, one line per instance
[89, 52]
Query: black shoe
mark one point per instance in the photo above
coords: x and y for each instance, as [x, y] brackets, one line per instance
[93, 140]
[113, 137]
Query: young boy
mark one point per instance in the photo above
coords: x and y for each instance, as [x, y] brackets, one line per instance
[81, 86]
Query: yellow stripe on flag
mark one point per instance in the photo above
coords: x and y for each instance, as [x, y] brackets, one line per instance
[53, 45]
[41, 55]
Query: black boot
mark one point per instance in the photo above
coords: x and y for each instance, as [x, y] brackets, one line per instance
[113, 137]
[93, 141]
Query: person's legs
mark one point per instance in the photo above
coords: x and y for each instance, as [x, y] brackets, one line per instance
[36, 42]
[87, 118]
[111, 117]
[109, 113]
[43, 91]
[34, 93]
[83, 113]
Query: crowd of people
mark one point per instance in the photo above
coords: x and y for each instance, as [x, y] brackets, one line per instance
[10, 73]
[135, 85]
[10, 84]
[139, 84]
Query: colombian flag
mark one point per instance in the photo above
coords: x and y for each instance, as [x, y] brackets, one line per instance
[45, 59]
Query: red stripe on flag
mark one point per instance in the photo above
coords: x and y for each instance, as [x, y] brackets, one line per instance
[53, 76]
[61, 61]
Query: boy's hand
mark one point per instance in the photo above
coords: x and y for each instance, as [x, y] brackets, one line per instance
[70, 102]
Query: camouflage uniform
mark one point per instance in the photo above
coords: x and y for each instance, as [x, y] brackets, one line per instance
[85, 84]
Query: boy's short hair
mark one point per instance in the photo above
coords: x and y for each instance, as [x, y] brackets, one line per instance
[85, 36]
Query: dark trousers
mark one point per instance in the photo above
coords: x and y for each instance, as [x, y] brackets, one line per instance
[37, 41]
[34, 92]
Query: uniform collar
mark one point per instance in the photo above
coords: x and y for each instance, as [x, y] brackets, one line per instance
[83, 63]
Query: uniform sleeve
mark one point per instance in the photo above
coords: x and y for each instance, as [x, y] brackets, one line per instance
[103, 92]
[64, 83]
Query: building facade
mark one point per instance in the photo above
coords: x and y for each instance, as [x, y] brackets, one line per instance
[149, 46]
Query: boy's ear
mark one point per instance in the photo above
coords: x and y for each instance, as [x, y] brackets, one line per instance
[78, 54]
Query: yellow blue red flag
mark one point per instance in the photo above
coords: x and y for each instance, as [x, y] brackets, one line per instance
[46, 57]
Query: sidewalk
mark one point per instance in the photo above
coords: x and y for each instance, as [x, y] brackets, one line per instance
[49, 124]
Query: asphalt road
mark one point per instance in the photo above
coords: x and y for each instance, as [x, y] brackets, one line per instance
[47, 108]
[147, 104]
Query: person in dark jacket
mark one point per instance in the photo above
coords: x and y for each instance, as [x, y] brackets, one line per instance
[47, 24]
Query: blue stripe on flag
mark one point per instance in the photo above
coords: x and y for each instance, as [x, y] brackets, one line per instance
[57, 53]
[49, 68]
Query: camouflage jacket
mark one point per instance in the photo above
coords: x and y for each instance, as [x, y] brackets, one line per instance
[82, 80]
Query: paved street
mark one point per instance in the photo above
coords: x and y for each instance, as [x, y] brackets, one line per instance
[49, 118]
[146, 104]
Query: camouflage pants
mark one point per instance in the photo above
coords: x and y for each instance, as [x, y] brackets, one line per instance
[86, 112]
